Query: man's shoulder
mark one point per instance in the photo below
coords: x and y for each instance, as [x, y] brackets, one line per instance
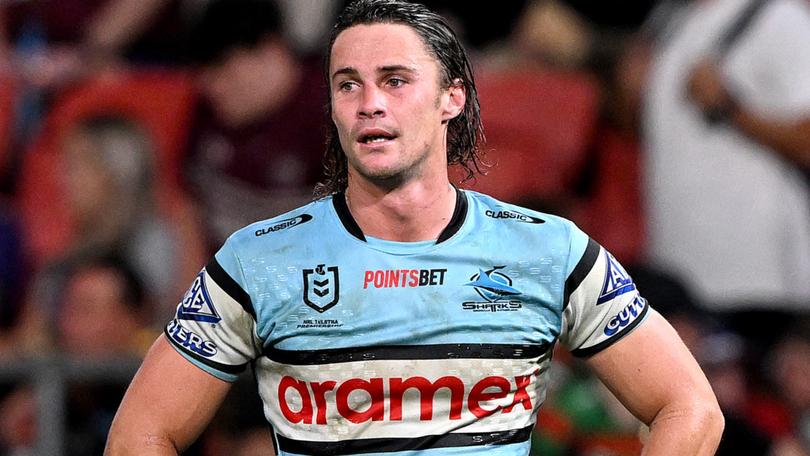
[492, 209]
[289, 225]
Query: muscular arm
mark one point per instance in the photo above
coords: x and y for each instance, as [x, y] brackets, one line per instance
[653, 374]
[167, 405]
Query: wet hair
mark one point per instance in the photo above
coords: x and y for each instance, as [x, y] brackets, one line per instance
[226, 25]
[464, 132]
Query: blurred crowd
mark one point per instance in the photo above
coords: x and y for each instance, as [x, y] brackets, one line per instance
[135, 135]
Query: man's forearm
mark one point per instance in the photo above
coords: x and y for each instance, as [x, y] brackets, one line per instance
[790, 140]
[693, 430]
[147, 445]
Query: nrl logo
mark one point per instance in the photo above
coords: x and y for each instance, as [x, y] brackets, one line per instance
[321, 287]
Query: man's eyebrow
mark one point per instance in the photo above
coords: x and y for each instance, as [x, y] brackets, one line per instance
[396, 68]
[345, 70]
[351, 71]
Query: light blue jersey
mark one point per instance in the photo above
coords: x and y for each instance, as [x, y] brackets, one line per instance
[367, 346]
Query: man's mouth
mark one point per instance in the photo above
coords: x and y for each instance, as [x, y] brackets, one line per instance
[375, 137]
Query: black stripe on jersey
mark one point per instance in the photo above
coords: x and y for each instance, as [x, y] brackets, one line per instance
[360, 446]
[226, 368]
[581, 270]
[342, 209]
[229, 286]
[407, 352]
[585, 352]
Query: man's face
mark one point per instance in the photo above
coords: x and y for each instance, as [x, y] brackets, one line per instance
[387, 103]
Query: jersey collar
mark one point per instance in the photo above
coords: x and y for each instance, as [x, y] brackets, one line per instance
[459, 214]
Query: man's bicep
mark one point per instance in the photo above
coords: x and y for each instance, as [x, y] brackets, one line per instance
[651, 368]
[168, 404]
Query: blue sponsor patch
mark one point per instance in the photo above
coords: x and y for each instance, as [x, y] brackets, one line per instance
[196, 304]
[191, 341]
[626, 316]
[617, 281]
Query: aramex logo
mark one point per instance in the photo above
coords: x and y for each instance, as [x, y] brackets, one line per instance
[314, 405]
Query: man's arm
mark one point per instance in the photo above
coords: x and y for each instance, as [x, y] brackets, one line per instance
[789, 139]
[653, 374]
[168, 404]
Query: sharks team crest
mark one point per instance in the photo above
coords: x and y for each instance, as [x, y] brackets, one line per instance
[321, 287]
[196, 304]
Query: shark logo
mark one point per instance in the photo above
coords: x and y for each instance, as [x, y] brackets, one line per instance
[492, 285]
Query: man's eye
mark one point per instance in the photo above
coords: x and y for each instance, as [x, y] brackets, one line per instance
[346, 86]
[396, 82]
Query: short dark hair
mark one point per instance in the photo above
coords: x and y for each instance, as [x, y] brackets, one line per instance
[230, 24]
[464, 132]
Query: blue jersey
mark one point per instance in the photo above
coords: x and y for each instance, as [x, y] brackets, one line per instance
[367, 346]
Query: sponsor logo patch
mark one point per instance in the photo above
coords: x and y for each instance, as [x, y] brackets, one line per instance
[384, 399]
[403, 278]
[625, 316]
[190, 340]
[196, 304]
[321, 287]
[496, 290]
[283, 225]
[513, 215]
[617, 281]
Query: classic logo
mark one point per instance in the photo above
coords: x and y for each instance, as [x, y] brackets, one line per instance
[513, 215]
[196, 304]
[321, 287]
[284, 224]
[496, 290]
[617, 281]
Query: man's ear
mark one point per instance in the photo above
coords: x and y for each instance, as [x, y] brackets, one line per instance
[456, 98]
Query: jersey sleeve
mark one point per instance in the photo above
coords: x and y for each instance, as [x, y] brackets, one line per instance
[602, 304]
[214, 327]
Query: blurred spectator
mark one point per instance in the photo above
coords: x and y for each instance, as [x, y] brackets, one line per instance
[46, 45]
[102, 315]
[50, 43]
[727, 124]
[12, 274]
[790, 369]
[258, 138]
[103, 311]
[110, 191]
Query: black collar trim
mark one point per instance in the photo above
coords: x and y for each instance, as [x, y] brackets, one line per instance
[459, 215]
[342, 209]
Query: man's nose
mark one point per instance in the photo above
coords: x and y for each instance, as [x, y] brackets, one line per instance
[372, 103]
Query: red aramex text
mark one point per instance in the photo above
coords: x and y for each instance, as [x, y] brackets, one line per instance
[314, 405]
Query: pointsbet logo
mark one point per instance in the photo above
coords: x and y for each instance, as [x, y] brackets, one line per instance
[403, 278]
[387, 399]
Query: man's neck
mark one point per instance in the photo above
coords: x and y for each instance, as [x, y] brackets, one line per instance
[417, 211]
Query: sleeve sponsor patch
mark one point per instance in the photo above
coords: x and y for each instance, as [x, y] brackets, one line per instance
[189, 340]
[197, 304]
[212, 329]
[604, 307]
